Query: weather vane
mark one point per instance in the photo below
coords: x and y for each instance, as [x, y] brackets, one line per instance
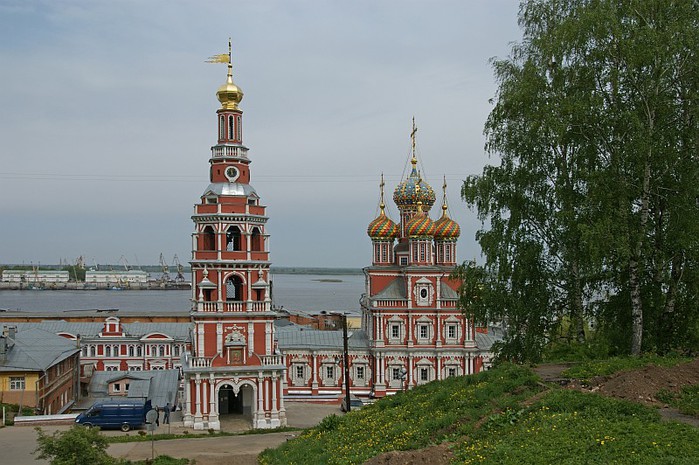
[222, 57]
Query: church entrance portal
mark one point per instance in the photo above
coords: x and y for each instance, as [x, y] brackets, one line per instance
[231, 404]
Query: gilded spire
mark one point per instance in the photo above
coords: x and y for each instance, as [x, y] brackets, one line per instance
[412, 142]
[444, 196]
[382, 205]
[228, 94]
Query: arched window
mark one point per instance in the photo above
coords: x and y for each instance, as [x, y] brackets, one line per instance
[221, 127]
[234, 288]
[161, 351]
[107, 351]
[240, 128]
[256, 240]
[139, 351]
[208, 239]
[231, 128]
[131, 351]
[177, 351]
[233, 238]
[93, 352]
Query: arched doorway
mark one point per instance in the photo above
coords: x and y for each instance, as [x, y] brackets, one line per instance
[232, 403]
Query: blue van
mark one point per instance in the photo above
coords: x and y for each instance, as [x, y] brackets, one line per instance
[125, 414]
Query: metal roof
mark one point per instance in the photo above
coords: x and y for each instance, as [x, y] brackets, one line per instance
[36, 349]
[160, 386]
[395, 290]
[178, 331]
[301, 337]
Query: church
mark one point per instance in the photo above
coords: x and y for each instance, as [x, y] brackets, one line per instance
[244, 360]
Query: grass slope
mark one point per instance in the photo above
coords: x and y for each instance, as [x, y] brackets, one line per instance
[487, 420]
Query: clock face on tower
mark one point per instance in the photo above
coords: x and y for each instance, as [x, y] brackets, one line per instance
[232, 173]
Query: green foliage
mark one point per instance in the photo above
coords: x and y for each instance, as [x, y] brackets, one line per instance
[592, 368]
[591, 212]
[428, 414]
[686, 401]
[163, 460]
[570, 427]
[12, 410]
[76, 446]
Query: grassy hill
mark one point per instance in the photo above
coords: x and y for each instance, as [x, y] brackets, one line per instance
[503, 416]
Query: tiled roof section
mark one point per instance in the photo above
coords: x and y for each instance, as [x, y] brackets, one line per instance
[37, 350]
[395, 290]
[178, 331]
[301, 337]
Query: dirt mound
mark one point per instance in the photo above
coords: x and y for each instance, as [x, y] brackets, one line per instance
[435, 455]
[644, 384]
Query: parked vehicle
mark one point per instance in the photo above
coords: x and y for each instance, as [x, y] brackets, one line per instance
[355, 403]
[124, 414]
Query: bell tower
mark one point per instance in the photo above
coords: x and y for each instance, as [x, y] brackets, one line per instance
[234, 367]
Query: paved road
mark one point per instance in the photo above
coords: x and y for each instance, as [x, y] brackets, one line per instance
[18, 443]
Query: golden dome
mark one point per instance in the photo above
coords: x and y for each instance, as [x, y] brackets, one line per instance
[229, 94]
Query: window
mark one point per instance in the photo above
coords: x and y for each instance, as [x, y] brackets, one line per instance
[161, 351]
[360, 373]
[233, 238]
[422, 251]
[424, 374]
[17, 383]
[451, 331]
[256, 242]
[108, 351]
[330, 372]
[93, 351]
[240, 128]
[451, 372]
[84, 351]
[384, 253]
[177, 351]
[395, 331]
[117, 387]
[234, 289]
[396, 374]
[299, 371]
[403, 261]
[424, 330]
[231, 128]
[139, 351]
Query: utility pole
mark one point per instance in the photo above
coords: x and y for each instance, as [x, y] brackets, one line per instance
[345, 357]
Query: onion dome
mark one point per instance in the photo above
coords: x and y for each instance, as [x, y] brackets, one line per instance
[382, 227]
[413, 189]
[420, 225]
[445, 228]
[407, 194]
[229, 94]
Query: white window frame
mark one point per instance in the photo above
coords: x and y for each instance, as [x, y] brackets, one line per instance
[17, 383]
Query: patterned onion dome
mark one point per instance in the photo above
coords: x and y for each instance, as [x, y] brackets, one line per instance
[406, 196]
[420, 225]
[445, 228]
[382, 227]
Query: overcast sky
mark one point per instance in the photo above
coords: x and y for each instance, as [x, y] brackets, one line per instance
[107, 116]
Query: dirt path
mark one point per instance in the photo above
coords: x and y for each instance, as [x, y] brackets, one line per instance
[641, 385]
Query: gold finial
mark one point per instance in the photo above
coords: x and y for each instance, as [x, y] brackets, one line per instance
[444, 201]
[228, 94]
[382, 205]
[412, 141]
[417, 195]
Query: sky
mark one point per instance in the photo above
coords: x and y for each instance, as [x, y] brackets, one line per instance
[108, 113]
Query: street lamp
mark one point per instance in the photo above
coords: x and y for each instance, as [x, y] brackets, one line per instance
[345, 359]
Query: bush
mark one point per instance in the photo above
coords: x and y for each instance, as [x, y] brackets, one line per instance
[77, 446]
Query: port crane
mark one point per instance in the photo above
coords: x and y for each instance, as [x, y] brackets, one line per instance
[180, 269]
[166, 270]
